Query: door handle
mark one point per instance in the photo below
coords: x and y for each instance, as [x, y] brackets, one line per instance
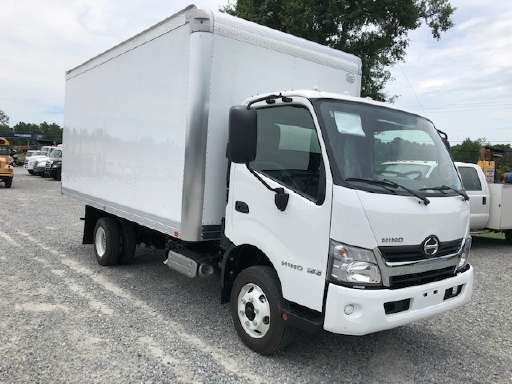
[484, 200]
[241, 206]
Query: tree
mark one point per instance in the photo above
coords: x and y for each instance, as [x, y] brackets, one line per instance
[51, 131]
[4, 119]
[468, 151]
[375, 31]
[22, 127]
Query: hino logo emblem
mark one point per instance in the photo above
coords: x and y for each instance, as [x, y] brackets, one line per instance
[431, 246]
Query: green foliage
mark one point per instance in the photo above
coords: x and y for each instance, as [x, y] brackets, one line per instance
[50, 131]
[375, 31]
[469, 152]
[4, 120]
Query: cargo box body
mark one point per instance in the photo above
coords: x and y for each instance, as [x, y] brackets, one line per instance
[146, 121]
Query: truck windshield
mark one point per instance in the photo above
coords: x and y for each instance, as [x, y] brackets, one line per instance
[56, 154]
[372, 143]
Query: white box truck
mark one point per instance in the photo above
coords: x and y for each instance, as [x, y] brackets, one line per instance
[287, 195]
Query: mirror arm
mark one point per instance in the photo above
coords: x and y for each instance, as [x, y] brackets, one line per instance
[256, 175]
[281, 197]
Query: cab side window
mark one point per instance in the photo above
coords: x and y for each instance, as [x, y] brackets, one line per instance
[470, 179]
[288, 150]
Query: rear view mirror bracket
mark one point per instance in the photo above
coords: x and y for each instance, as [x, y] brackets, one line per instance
[281, 197]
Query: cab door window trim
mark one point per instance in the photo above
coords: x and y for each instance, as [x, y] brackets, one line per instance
[287, 145]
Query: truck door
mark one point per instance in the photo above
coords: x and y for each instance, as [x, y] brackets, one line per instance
[289, 156]
[476, 187]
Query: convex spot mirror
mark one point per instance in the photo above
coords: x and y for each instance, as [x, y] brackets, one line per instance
[242, 134]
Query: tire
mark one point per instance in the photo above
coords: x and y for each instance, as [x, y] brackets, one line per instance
[263, 280]
[128, 243]
[8, 182]
[508, 236]
[30, 172]
[107, 241]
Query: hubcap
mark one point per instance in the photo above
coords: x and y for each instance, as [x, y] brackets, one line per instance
[253, 310]
[101, 241]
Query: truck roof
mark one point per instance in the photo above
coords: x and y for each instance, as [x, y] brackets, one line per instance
[318, 94]
[233, 27]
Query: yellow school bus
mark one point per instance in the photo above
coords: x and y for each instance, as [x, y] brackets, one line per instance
[6, 170]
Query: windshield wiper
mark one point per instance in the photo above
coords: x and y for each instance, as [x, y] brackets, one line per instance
[392, 184]
[443, 188]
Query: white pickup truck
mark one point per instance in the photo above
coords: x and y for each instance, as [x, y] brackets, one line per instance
[490, 203]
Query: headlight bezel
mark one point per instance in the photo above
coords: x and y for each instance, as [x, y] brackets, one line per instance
[351, 264]
[465, 253]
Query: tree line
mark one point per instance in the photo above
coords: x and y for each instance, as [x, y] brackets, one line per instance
[469, 152]
[49, 131]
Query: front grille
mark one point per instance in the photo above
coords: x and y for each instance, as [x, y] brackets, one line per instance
[48, 166]
[404, 281]
[404, 253]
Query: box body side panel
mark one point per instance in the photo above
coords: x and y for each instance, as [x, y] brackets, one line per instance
[242, 69]
[125, 129]
[495, 212]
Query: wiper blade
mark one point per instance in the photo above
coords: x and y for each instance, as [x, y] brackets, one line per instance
[379, 183]
[392, 184]
[442, 188]
[410, 191]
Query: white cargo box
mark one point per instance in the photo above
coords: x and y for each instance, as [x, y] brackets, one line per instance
[146, 121]
[500, 215]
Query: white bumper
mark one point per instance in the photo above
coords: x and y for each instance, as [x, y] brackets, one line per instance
[369, 314]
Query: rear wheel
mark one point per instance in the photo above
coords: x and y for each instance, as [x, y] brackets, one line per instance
[256, 310]
[107, 241]
[8, 182]
[128, 243]
[31, 172]
[508, 236]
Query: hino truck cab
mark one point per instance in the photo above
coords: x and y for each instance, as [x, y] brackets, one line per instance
[353, 248]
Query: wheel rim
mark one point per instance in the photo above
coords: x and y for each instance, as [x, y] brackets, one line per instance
[101, 242]
[253, 311]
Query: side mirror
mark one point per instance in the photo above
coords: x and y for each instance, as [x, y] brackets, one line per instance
[242, 135]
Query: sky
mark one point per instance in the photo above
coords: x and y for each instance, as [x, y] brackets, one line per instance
[462, 82]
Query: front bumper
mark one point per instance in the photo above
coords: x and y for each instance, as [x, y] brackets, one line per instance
[370, 316]
[6, 173]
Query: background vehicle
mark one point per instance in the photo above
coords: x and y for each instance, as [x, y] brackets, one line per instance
[491, 203]
[39, 164]
[6, 169]
[303, 229]
[54, 164]
[31, 161]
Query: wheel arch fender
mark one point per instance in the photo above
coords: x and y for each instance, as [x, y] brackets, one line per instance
[236, 258]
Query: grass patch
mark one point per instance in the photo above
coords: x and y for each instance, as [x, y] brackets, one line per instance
[492, 235]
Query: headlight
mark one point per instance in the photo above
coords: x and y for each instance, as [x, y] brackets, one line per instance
[41, 163]
[354, 265]
[466, 251]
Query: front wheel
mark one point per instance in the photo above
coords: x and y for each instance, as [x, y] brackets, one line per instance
[8, 182]
[256, 310]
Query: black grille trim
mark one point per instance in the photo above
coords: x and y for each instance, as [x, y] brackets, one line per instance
[403, 281]
[415, 252]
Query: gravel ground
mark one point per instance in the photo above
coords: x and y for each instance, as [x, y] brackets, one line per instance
[65, 319]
